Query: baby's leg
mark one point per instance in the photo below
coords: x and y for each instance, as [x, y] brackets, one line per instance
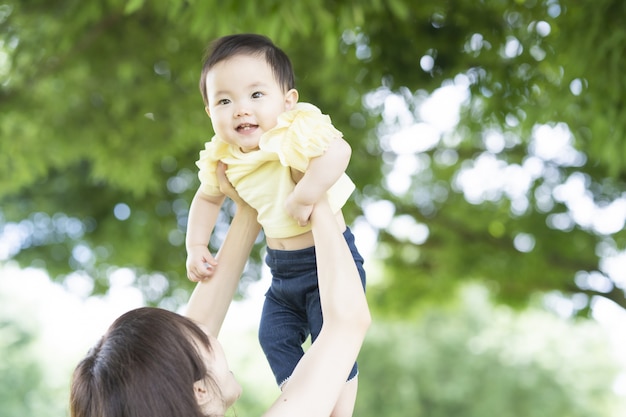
[347, 399]
[281, 334]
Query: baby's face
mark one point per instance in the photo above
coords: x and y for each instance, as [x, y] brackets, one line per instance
[245, 100]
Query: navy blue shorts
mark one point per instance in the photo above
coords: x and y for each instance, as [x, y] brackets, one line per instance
[292, 310]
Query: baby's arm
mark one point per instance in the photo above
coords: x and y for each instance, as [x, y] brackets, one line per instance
[211, 298]
[320, 175]
[202, 217]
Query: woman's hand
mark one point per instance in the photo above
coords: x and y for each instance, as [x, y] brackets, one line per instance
[226, 187]
[229, 191]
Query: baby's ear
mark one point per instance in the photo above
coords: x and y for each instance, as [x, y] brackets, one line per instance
[291, 98]
[208, 112]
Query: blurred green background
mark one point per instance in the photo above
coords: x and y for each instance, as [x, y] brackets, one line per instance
[488, 153]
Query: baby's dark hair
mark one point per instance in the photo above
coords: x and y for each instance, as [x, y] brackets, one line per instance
[248, 44]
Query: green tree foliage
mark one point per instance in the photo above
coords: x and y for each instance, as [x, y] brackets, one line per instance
[24, 385]
[478, 360]
[101, 121]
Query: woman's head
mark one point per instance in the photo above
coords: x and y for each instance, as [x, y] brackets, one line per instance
[151, 362]
[248, 44]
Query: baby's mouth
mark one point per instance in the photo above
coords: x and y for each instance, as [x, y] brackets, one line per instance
[246, 126]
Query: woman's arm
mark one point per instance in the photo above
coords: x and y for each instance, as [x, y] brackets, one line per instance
[211, 298]
[319, 377]
[320, 175]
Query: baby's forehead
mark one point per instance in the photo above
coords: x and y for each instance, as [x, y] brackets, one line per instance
[243, 70]
[243, 55]
[249, 63]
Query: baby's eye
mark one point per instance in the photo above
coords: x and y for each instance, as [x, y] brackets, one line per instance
[223, 101]
[257, 94]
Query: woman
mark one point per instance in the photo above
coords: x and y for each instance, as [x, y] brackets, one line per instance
[156, 363]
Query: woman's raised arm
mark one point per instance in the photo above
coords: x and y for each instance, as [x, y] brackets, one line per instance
[211, 298]
[317, 381]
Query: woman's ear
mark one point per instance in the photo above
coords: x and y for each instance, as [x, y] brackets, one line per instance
[201, 393]
[291, 98]
[208, 112]
[209, 403]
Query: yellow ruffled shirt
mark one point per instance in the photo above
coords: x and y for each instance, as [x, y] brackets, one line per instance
[263, 177]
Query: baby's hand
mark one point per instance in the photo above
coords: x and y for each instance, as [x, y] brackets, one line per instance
[200, 263]
[300, 212]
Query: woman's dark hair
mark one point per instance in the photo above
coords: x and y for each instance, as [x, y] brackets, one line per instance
[145, 365]
[248, 44]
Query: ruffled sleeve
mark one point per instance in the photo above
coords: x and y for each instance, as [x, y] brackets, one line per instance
[213, 151]
[300, 135]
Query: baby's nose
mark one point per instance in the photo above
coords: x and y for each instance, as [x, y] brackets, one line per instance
[242, 111]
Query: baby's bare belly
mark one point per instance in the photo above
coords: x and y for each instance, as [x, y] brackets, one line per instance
[305, 240]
